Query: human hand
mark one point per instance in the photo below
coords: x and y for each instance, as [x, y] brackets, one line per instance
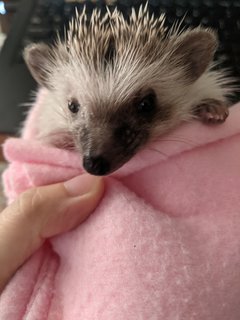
[43, 212]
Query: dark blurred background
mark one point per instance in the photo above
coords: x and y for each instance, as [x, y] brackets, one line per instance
[26, 21]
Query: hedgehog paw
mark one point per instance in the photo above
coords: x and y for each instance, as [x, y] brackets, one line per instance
[212, 111]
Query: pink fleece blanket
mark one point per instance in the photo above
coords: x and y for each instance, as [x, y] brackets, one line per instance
[164, 243]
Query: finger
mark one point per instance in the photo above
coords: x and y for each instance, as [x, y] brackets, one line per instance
[44, 212]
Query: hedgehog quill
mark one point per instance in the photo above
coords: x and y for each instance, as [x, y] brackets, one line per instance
[115, 84]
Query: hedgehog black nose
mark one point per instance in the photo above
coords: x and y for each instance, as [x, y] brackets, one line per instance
[98, 166]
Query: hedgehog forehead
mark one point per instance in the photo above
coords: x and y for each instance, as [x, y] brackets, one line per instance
[106, 87]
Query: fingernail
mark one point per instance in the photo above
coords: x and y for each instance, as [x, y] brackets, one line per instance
[81, 184]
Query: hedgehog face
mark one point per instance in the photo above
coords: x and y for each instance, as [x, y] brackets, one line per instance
[108, 139]
[121, 82]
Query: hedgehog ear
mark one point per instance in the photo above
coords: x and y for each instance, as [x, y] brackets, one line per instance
[195, 50]
[38, 58]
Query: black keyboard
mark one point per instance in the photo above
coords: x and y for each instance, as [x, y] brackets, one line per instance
[39, 20]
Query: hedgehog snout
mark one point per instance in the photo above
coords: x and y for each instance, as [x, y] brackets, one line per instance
[98, 166]
[107, 147]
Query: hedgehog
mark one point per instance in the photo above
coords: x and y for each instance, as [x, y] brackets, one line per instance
[115, 84]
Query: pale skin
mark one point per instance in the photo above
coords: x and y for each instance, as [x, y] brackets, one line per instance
[41, 213]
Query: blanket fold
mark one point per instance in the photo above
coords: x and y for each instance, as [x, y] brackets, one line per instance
[163, 244]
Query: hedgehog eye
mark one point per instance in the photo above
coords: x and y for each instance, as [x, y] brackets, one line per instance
[146, 105]
[73, 106]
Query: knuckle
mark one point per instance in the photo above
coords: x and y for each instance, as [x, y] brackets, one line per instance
[31, 201]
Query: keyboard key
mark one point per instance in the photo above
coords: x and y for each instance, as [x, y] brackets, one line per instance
[195, 3]
[209, 3]
[180, 12]
[196, 13]
[39, 32]
[181, 3]
[225, 4]
[236, 4]
[205, 21]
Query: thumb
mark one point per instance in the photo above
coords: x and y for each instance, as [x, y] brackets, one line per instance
[44, 212]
